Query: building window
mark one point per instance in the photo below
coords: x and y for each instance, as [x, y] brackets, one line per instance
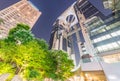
[86, 58]
[64, 46]
[108, 47]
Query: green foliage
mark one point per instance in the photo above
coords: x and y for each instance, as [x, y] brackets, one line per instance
[33, 73]
[6, 49]
[31, 59]
[64, 65]
[6, 68]
[20, 34]
[19, 27]
[42, 43]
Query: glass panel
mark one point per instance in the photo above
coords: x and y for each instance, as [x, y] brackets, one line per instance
[86, 60]
[99, 49]
[107, 47]
[114, 34]
[115, 45]
[64, 44]
[75, 48]
[118, 32]
[108, 36]
[118, 42]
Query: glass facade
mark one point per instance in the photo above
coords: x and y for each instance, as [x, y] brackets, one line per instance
[75, 48]
[64, 46]
[103, 31]
[81, 36]
[105, 35]
[88, 10]
[66, 40]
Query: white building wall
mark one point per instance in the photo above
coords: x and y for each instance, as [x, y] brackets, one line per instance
[112, 71]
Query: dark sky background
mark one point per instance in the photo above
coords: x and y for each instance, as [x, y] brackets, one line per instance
[50, 9]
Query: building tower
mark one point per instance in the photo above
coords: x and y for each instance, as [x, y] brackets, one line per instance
[65, 35]
[74, 37]
[95, 37]
[101, 33]
[21, 12]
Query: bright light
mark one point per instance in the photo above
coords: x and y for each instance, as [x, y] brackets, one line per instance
[86, 74]
[1, 36]
[113, 77]
[90, 78]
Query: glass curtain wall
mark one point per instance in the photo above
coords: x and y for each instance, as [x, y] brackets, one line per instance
[105, 35]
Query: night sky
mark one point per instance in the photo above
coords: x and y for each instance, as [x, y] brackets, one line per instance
[50, 9]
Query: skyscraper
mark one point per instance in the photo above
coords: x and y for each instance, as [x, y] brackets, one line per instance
[101, 33]
[75, 34]
[91, 37]
[63, 35]
[21, 12]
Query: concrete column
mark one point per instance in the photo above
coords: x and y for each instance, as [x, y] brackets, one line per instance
[89, 47]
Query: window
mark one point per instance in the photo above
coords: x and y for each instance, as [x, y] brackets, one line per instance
[107, 36]
[99, 49]
[118, 32]
[118, 42]
[107, 47]
[115, 45]
[102, 38]
[64, 46]
[69, 44]
[114, 34]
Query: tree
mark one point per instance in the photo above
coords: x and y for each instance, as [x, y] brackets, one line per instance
[20, 34]
[31, 59]
[64, 65]
[6, 51]
[42, 43]
[19, 26]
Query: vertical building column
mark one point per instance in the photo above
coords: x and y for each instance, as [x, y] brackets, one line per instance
[72, 56]
[89, 47]
[55, 42]
[78, 40]
[60, 42]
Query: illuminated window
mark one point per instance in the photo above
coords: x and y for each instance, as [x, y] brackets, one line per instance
[99, 49]
[118, 32]
[115, 45]
[100, 39]
[118, 42]
[108, 36]
[108, 47]
[103, 38]
[114, 34]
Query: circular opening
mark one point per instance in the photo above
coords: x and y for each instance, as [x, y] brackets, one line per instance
[70, 18]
